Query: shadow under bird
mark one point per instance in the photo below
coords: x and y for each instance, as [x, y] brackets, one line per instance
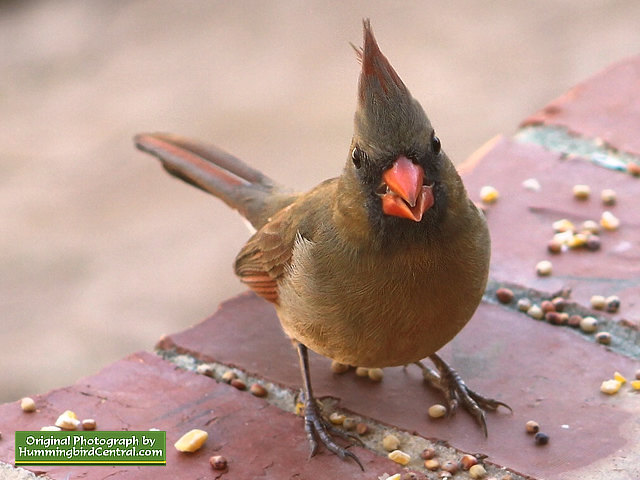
[379, 267]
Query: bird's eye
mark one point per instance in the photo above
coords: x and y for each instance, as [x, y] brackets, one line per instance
[436, 145]
[356, 157]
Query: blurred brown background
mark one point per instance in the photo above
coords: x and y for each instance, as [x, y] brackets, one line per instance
[101, 252]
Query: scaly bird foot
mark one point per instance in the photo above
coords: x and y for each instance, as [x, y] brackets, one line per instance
[456, 392]
[318, 429]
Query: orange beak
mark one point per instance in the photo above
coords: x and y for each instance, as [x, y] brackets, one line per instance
[406, 196]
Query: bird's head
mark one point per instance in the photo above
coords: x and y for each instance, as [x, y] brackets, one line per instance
[395, 154]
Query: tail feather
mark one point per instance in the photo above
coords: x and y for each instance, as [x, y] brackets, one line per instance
[219, 173]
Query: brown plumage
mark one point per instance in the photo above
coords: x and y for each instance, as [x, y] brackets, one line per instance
[378, 267]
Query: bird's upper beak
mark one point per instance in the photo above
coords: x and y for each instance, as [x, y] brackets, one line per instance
[403, 191]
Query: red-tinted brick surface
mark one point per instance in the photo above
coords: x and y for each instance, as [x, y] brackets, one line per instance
[606, 107]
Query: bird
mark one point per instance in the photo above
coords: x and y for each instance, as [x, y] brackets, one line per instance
[380, 266]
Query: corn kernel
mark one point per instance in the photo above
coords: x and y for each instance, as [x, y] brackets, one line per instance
[618, 376]
[489, 194]
[390, 442]
[610, 387]
[400, 457]
[609, 221]
[635, 384]
[577, 240]
[337, 418]
[68, 421]
[191, 441]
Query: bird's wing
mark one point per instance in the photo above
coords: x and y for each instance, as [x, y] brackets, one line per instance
[264, 259]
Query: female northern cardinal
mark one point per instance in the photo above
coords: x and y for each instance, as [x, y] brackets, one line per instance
[379, 267]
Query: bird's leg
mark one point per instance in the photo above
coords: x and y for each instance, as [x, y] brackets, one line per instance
[315, 425]
[456, 392]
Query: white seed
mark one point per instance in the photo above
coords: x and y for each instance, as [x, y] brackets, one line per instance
[362, 372]
[544, 268]
[390, 442]
[610, 387]
[437, 411]
[589, 324]
[535, 312]
[396, 476]
[477, 471]
[68, 421]
[28, 404]
[532, 184]
[609, 221]
[205, 369]
[191, 441]
[50, 428]
[590, 226]
[598, 302]
[524, 304]
[608, 196]
[337, 367]
[489, 194]
[563, 225]
[375, 374]
[400, 457]
[581, 192]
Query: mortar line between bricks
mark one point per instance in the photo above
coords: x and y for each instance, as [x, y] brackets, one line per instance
[561, 140]
[285, 399]
[625, 339]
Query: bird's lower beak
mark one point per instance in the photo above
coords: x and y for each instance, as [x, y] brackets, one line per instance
[405, 194]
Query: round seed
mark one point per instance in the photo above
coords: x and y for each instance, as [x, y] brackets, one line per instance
[612, 304]
[427, 453]
[228, 376]
[589, 324]
[559, 303]
[337, 367]
[437, 411]
[547, 306]
[608, 196]
[563, 225]
[524, 304]
[390, 442]
[489, 194]
[504, 295]
[477, 471]
[554, 246]
[205, 369]
[637, 375]
[532, 426]
[593, 242]
[349, 423]
[362, 428]
[633, 169]
[535, 312]
[362, 372]
[375, 374]
[574, 321]
[541, 438]
[467, 461]
[604, 338]
[544, 268]
[239, 384]
[598, 302]
[218, 462]
[432, 464]
[27, 404]
[89, 424]
[581, 192]
[590, 226]
[450, 466]
[555, 318]
[618, 376]
[258, 390]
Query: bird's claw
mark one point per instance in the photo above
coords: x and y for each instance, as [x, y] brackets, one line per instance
[457, 393]
[318, 428]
